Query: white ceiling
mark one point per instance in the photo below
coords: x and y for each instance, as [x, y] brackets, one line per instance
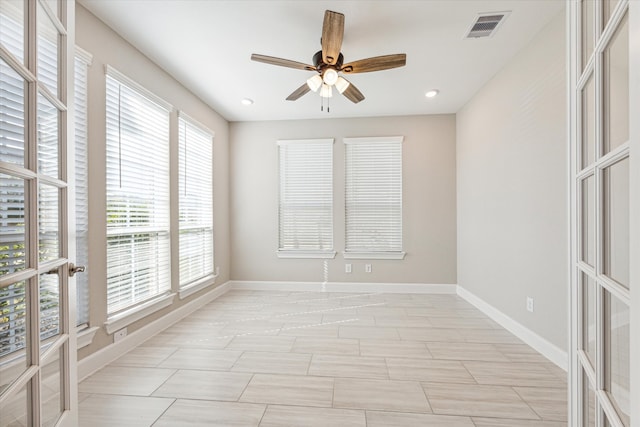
[207, 44]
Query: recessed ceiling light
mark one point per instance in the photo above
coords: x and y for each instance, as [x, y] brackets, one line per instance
[432, 93]
[247, 101]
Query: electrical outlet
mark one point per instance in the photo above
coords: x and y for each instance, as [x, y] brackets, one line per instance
[530, 304]
[347, 268]
[367, 268]
[118, 335]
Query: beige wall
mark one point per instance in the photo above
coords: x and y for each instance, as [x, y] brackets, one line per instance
[429, 203]
[512, 188]
[108, 48]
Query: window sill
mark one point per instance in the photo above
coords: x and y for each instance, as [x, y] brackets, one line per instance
[120, 320]
[85, 336]
[373, 255]
[196, 286]
[307, 254]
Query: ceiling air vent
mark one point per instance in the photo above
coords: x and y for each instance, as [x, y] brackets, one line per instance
[486, 25]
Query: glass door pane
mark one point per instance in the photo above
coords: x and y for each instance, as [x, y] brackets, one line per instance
[588, 29]
[13, 334]
[588, 146]
[47, 137]
[51, 389]
[47, 51]
[12, 27]
[589, 317]
[12, 89]
[13, 409]
[616, 89]
[616, 222]
[617, 355]
[49, 306]
[12, 229]
[589, 402]
[49, 233]
[587, 197]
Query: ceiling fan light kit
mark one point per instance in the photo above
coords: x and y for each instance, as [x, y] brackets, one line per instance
[314, 82]
[330, 76]
[342, 84]
[328, 64]
[326, 91]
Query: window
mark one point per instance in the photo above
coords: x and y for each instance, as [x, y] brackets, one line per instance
[306, 198]
[196, 201]
[138, 245]
[373, 197]
[82, 61]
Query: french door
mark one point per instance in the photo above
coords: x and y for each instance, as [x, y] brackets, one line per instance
[603, 217]
[37, 344]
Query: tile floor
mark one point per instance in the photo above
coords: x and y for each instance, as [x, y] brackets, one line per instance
[257, 358]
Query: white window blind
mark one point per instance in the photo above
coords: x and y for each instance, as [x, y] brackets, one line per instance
[138, 252]
[82, 62]
[306, 198]
[373, 197]
[196, 201]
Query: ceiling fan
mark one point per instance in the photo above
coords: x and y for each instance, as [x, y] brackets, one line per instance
[328, 63]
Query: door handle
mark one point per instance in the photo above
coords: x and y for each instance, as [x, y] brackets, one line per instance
[73, 269]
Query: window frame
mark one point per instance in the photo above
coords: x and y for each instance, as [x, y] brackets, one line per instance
[124, 314]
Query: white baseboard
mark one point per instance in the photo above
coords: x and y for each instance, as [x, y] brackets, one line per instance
[348, 287]
[546, 348]
[106, 355]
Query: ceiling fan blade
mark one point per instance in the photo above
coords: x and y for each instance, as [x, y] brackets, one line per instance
[332, 33]
[353, 94]
[282, 62]
[302, 90]
[376, 63]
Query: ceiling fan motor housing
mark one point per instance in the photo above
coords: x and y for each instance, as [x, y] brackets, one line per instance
[321, 66]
